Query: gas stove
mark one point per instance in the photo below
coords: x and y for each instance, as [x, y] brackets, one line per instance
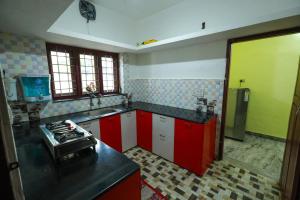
[64, 138]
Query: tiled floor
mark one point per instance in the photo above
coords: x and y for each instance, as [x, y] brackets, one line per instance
[261, 155]
[221, 181]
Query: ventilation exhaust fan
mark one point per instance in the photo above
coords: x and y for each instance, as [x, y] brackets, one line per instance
[87, 10]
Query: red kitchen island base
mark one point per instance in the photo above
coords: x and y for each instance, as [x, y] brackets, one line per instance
[128, 189]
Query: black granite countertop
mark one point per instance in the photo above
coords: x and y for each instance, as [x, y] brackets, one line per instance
[89, 175]
[86, 177]
[179, 113]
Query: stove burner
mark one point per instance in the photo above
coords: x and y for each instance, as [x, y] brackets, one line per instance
[64, 130]
[64, 138]
[57, 125]
[61, 136]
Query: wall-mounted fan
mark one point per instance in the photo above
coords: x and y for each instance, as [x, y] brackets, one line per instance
[87, 10]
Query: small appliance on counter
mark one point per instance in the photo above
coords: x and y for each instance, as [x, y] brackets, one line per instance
[35, 88]
[65, 138]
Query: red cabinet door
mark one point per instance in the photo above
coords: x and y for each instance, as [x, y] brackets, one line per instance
[128, 189]
[110, 129]
[144, 129]
[188, 146]
[212, 142]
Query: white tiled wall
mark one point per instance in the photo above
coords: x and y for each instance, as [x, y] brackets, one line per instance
[173, 92]
[176, 92]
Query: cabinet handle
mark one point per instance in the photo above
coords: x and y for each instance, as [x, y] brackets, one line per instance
[162, 119]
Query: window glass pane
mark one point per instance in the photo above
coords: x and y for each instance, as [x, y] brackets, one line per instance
[65, 91]
[64, 85]
[89, 62]
[63, 68]
[62, 54]
[108, 74]
[90, 77]
[82, 62]
[55, 68]
[109, 70]
[56, 76]
[53, 60]
[57, 85]
[64, 77]
[62, 60]
[89, 57]
[88, 72]
[61, 76]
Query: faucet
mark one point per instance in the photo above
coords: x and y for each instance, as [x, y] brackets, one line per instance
[201, 104]
[92, 95]
[91, 89]
[99, 99]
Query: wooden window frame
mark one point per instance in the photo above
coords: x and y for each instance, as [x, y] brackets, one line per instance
[76, 76]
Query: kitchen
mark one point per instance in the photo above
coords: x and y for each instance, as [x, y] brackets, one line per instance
[127, 107]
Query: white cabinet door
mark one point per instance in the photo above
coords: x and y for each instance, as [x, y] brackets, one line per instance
[92, 126]
[163, 136]
[128, 126]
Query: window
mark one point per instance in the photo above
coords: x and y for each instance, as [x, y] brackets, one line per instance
[61, 72]
[89, 72]
[109, 74]
[72, 69]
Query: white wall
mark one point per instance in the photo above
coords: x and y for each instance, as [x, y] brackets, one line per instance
[187, 16]
[201, 61]
[108, 26]
[200, 69]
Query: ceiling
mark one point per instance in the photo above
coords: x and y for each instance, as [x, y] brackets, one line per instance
[137, 9]
[34, 17]
[30, 17]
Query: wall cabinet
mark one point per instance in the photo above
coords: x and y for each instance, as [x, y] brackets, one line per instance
[128, 127]
[110, 128]
[93, 127]
[163, 136]
[144, 129]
